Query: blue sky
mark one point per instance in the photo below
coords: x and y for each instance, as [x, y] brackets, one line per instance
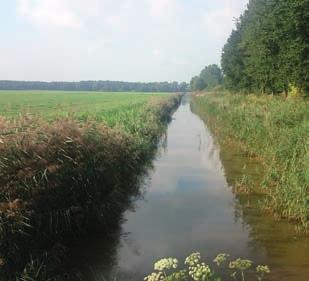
[131, 40]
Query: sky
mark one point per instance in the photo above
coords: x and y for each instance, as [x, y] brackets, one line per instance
[128, 40]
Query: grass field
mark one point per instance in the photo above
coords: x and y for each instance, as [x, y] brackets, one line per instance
[121, 109]
[275, 131]
[69, 164]
[66, 103]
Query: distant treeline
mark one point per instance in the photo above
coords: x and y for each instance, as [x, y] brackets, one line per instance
[269, 50]
[107, 86]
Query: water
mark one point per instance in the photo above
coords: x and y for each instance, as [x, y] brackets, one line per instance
[188, 206]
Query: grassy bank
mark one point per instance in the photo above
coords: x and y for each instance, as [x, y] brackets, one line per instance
[276, 132]
[63, 178]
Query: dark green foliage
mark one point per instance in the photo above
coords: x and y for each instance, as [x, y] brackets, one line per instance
[197, 84]
[210, 77]
[232, 63]
[268, 51]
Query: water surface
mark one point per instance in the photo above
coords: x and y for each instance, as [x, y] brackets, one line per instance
[188, 206]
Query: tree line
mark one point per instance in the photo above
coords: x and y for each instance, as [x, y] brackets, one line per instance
[268, 51]
[107, 86]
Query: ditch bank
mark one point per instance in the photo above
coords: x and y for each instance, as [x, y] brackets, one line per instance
[273, 132]
[64, 180]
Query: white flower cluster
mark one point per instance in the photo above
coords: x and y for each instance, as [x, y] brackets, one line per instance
[155, 276]
[193, 259]
[262, 269]
[200, 271]
[220, 258]
[240, 264]
[166, 263]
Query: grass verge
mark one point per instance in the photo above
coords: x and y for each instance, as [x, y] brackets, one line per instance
[273, 130]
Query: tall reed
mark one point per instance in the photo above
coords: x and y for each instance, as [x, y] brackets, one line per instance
[70, 177]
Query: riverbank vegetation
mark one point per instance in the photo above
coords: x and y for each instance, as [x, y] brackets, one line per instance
[276, 132]
[265, 108]
[68, 174]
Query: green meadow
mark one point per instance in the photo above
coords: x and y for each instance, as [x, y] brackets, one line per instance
[66, 103]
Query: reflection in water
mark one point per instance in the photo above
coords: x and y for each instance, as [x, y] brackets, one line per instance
[188, 206]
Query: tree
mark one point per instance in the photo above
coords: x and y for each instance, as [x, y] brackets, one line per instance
[197, 84]
[107, 86]
[269, 50]
[232, 62]
[212, 76]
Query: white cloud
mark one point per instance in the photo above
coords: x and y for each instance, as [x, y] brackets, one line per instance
[156, 52]
[219, 22]
[119, 22]
[163, 9]
[118, 39]
[53, 13]
[92, 15]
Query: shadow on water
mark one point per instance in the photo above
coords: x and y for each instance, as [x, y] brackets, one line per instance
[187, 206]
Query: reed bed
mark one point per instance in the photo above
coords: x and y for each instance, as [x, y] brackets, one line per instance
[64, 178]
[276, 132]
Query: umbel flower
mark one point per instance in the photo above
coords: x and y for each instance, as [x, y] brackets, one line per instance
[166, 269]
[162, 265]
[193, 259]
[220, 258]
[197, 270]
[240, 264]
[155, 276]
[166, 263]
[200, 271]
[262, 269]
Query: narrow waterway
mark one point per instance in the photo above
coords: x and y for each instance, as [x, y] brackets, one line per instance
[188, 206]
